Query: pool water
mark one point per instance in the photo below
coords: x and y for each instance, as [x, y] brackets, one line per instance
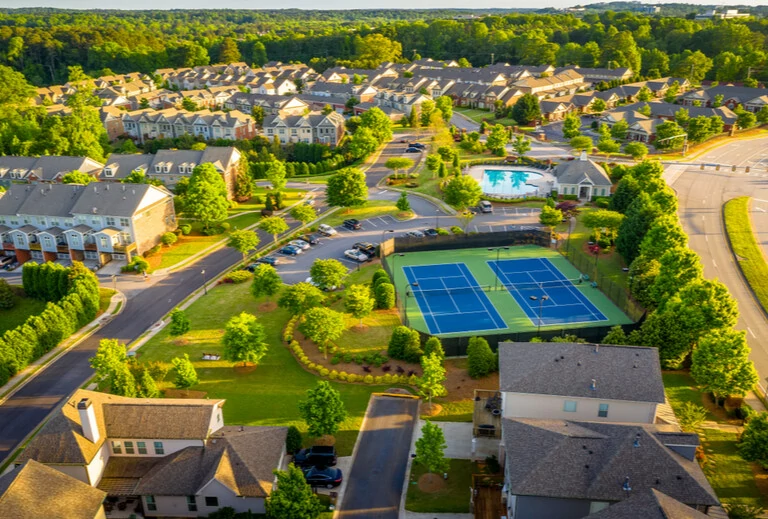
[506, 182]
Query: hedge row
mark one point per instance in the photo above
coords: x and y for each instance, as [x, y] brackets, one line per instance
[41, 333]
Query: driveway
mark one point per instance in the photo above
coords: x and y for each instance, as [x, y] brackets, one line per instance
[375, 483]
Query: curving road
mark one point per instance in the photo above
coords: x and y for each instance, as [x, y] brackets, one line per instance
[701, 195]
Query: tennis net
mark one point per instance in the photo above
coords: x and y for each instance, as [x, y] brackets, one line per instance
[437, 292]
[543, 285]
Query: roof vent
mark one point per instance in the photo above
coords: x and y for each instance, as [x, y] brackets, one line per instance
[597, 348]
[636, 443]
[95, 210]
[634, 365]
[578, 363]
[658, 481]
[593, 385]
[626, 486]
[106, 187]
[557, 360]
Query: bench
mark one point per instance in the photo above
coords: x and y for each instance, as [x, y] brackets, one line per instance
[211, 356]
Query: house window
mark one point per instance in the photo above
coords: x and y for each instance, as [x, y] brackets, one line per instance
[110, 221]
[191, 504]
[211, 501]
[104, 241]
[151, 503]
[142, 446]
[95, 220]
[25, 219]
[602, 411]
[129, 448]
[569, 406]
[69, 222]
[125, 222]
[54, 222]
[602, 192]
[47, 241]
[159, 448]
[14, 221]
[117, 447]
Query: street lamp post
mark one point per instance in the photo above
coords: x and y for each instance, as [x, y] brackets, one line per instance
[541, 300]
[205, 284]
[570, 227]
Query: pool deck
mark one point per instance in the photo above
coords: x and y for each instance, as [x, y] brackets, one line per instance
[542, 182]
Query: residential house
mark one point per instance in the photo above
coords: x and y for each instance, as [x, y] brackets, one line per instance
[569, 381]
[582, 177]
[596, 75]
[45, 169]
[752, 99]
[583, 102]
[564, 83]
[658, 88]
[98, 222]
[112, 120]
[314, 127]
[555, 110]
[171, 165]
[567, 469]
[120, 166]
[272, 104]
[649, 504]
[161, 457]
[142, 125]
[34, 491]
[345, 91]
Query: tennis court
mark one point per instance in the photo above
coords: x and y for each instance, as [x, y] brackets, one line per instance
[544, 293]
[458, 293]
[451, 300]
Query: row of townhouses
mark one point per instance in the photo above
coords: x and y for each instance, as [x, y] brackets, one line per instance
[142, 125]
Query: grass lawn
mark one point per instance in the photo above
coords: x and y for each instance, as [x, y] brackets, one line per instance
[749, 255]
[371, 209]
[474, 114]
[267, 395]
[457, 411]
[453, 498]
[427, 184]
[24, 308]
[105, 294]
[680, 389]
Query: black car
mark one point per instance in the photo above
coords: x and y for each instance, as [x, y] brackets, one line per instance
[430, 232]
[369, 249]
[352, 224]
[312, 239]
[413, 150]
[326, 477]
[416, 145]
[317, 456]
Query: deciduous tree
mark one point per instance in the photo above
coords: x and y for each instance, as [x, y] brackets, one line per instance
[402, 203]
[397, 164]
[572, 125]
[244, 339]
[206, 197]
[526, 110]
[243, 241]
[347, 188]
[430, 448]
[304, 213]
[433, 377]
[462, 191]
[322, 325]
[323, 410]
[186, 376]
[328, 273]
[266, 281]
[720, 363]
[582, 143]
[753, 445]
[274, 225]
[293, 497]
[359, 302]
[179, 322]
[77, 177]
[497, 140]
[300, 297]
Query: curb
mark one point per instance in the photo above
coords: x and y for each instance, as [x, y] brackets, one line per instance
[116, 306]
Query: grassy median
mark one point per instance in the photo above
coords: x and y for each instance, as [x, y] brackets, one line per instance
[749, 255]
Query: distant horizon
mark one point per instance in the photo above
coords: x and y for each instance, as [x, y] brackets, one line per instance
[334, 5]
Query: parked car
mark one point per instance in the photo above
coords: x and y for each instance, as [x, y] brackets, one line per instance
[414, 234]
[326, 230]
[430, 232]
[369, 249]
[416, 145]
[6, 260]
[300, 244]
[318, 285]
[312, 239]
[352, 224]
[309, 201]
[290, 250]
[11, 266]
[328, 477]
[485, 206]
[356, 255]
[413, 150]
[268, 260]
[316, 456]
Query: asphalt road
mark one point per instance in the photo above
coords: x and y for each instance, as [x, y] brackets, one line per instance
[375, 482]
[701, 195]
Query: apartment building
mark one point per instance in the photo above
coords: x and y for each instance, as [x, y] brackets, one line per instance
[314, 127]
[143, 125]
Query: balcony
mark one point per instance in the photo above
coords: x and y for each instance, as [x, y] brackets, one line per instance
[123, 248]
[90, 246]
[486, 417]
[35, 246]
[62, 248]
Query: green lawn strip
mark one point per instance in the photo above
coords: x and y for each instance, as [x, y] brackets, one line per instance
[453, 498]
[24, 308]
[749, 255]
[266, 396]
[505, 304]
[727, 472]
[680, 388]
[186, 247]
[105, 295]
[371, 209]
[474, 114]
[457, 411]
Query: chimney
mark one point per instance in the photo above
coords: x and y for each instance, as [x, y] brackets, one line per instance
[583, 155]
[88, 420]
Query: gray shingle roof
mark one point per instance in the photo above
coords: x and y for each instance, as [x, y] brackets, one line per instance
[113, 200]
[630, 373]
[575, 171]
[122, 165]
[589, 460]
[50, 199]
[33, 491]
[649, 504]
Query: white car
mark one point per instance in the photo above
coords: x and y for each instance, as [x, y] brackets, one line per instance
[316, 284]
[326, 229]
[414, 234]
[356, 255]
[300, 244]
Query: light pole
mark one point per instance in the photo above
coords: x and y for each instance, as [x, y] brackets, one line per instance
[541, 300]
[496, 270]
[570, 227]
[205, 286]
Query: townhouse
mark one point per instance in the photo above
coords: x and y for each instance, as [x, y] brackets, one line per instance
[658, 88]
[564, 83]
[142, 125]
[160, 457]
[272, 104]
[314, 127]
[597, 75]
[47, 169]
[95, 223]
[169, 166]
[751, 99]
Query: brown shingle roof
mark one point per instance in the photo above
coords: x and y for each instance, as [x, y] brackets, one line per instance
[34, 491]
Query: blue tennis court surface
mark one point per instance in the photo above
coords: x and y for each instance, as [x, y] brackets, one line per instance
[451, 300]
[528, 279]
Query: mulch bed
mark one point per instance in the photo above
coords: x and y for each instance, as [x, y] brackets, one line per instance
[431, 410]
[460, 386]
[268, 306]
[184, 393]
[243, 370]
[431, 483]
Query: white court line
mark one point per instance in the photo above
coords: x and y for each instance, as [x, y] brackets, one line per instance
[571, 289]
[453, 301]
[418, 302]
[492, 314]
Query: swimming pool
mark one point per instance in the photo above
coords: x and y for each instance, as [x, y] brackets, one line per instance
[508, 182]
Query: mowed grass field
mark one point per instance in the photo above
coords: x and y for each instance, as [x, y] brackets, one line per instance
[507, 307]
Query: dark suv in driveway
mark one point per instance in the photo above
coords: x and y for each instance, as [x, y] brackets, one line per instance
[369, 249]
[352, 224]
[317, 456]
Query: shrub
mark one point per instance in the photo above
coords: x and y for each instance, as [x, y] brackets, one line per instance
[137, 264]
[335, 359]
[333, 375]
[602, 202]
[324, 372]
[378, 379]
[455, 229]
[481, 360]
[398, 342]
[442, 232]
[368, 379]
[343, 376]
[152, 251]
[380, 274]
[413, 380]
[238, 276]
[384, 294]
[352, 377]
[185, 229]
[387, 379]
[7, 297]
[738, 511]
[691, 416]
[169, 239]
[293, 440]
[224, 226]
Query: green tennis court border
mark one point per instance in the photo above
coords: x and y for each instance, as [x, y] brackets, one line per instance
[505, 304]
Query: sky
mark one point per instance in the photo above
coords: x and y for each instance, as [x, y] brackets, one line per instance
[311, 4]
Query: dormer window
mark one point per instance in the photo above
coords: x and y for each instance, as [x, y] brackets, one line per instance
[167, 168]
[108, 172]
[158, 168]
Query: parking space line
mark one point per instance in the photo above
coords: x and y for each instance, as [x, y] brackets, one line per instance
[371, 222]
